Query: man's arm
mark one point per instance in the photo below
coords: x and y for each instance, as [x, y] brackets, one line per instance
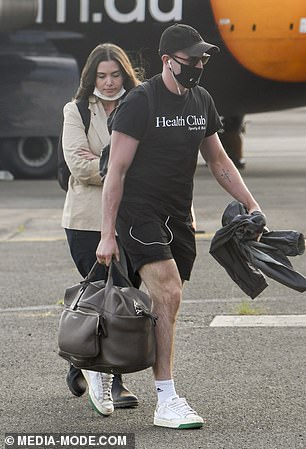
[225, 172]
[122, 152]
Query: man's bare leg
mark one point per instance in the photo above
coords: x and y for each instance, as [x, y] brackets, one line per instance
[164, 285]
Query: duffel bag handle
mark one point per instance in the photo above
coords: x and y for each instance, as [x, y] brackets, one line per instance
[121, 271]
[91, 273]
[119, 268]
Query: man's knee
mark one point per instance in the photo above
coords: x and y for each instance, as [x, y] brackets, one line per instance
[164, 284]
[172, 293]
[166, 300]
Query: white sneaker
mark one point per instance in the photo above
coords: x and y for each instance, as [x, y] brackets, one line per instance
[177, 414]
[100, 391]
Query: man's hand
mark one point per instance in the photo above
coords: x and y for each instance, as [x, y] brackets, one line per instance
[106, 250]
[255, 208]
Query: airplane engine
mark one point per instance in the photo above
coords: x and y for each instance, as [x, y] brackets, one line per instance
[16, 14]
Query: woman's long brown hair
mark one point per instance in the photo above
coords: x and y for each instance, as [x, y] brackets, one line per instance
[106, 52]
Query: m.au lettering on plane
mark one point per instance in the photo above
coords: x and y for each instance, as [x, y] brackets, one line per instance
[111, 9]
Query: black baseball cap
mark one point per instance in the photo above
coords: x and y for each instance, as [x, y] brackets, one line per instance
[180, 37]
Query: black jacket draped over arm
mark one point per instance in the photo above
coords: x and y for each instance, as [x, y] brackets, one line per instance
[247, 260]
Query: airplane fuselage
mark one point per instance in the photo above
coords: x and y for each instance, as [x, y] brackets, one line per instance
[262, 64]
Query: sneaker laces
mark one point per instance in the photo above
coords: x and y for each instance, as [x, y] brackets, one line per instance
[180, 406]
[107, 382]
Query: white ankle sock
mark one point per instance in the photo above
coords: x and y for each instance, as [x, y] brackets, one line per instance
[165, 390]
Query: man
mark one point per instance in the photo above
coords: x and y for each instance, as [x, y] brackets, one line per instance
[147, 193]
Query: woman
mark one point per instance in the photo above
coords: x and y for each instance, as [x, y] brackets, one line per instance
[106, 77]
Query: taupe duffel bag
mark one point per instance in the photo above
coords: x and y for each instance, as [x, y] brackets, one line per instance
[107, 328]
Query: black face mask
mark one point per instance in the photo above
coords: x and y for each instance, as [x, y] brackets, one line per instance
[189, 76]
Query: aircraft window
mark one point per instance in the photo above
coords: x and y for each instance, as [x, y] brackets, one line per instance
[302, 25]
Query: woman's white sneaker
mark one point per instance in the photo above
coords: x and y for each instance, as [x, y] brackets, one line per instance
[177, 414]
[100, 391]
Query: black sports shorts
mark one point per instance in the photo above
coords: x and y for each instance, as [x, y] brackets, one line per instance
[148, 236]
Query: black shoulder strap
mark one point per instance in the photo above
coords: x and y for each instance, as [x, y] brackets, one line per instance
[148, 90]
[82, 106]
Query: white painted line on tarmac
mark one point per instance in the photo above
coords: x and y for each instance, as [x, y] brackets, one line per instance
[259, 321]
[201, 236]
[204, 235]
[32, 239]
[271, 153]
[31, 308]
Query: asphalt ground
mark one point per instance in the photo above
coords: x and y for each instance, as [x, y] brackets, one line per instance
[247, 382]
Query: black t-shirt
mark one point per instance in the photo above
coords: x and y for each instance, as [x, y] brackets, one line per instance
[161, 174]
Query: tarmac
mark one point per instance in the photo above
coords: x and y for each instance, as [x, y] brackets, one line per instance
[241, 363]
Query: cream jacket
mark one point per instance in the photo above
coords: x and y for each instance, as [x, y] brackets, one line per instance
[82, 208]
